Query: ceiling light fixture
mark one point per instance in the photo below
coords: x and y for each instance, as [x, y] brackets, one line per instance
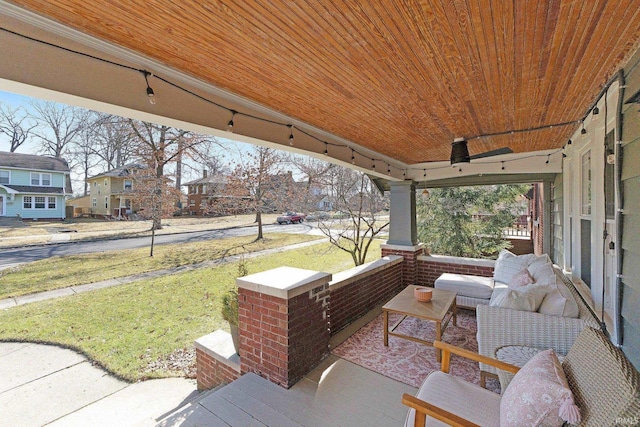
[595, 111]
[583, 131]
[353, 157]
[326, 149]
[290, 135]
[459, 152]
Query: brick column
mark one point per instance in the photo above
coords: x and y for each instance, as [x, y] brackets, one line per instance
[410, 263]
[284, 329]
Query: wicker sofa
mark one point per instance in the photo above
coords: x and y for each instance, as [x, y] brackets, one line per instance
[605, 387]
[498, 327]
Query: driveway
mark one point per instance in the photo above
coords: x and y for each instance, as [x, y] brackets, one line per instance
[48, 385]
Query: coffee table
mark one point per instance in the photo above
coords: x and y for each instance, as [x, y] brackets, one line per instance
[441, 309]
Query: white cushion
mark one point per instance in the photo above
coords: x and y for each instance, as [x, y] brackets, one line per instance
[498, 289]
[560, 301]
[460, 397]
[543, 274]
[469, 286]
[525, 298]
[508, 265]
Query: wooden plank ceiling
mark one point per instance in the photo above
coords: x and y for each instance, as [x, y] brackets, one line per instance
[403, 78]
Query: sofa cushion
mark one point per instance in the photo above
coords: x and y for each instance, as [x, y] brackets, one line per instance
[462, 284]
[538, 395]
[542, 273]
[560, 301]
[508, 265]
[479, 405]
[525, 298]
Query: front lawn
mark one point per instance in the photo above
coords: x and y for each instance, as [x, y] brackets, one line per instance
[136, 330]
[62, 272]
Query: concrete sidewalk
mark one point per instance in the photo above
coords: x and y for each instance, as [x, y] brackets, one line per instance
[57, 293]
[47, 385]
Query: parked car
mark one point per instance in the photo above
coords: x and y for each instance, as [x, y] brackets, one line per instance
[290, 218]
[317, 216]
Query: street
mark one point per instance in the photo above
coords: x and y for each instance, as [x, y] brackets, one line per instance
[15, 256]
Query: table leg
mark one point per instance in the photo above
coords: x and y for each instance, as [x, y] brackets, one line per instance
[454, 307]
[385, 315]
[438, 338]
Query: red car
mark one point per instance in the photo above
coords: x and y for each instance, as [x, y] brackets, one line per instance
[290, 218]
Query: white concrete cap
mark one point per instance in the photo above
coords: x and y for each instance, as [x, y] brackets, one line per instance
[283, 282]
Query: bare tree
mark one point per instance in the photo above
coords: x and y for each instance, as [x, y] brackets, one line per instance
[355, 196]
[113, 140]
[260, 175]
[58, 126]
[160, 146]
[82, 155]
[14, 122]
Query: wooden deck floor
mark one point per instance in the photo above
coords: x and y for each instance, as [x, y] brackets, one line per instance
[337, 393]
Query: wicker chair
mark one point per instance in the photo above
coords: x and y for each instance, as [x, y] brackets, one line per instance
[606, 388]
[498, 327]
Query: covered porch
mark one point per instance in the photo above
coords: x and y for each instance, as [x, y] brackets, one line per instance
[417, 95]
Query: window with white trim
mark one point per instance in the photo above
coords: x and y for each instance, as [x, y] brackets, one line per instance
[27, 202]
[41, 179]
[40, 202]
[106, 202]
[5, 177]
[128, 184]
[94, 202]
[51, 202]
[106, 182]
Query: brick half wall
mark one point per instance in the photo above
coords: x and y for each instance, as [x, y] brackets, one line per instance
[356, 291]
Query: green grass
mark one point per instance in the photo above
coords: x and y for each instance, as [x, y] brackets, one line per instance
[62, 272]
[125, 328]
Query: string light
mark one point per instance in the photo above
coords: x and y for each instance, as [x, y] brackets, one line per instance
[548, 157]
[230, 124]
[150, 93]
[152, 100]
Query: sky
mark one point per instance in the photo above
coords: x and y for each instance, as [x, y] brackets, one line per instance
[236, 149]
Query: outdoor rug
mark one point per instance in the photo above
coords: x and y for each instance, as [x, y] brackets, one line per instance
[408, 361]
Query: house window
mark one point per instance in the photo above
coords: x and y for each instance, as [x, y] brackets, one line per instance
[27, 202]
[39, 204]
[4, 177]
[106, 202]
[41, 179]
[106, 182]
[192, 202]
[128, 184]
[51, 202]
[95, 184]
[94, 202]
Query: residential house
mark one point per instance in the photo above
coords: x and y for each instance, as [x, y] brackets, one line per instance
[202, 194]
[80, 205]
[33, 187]
[111, 192]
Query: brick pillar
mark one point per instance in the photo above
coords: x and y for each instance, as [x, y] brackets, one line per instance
[410, 263]
[284, 329]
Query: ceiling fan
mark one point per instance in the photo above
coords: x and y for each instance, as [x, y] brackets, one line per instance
[460, 152]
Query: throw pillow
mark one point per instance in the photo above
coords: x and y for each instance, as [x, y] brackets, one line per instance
[560, 301]
[523, 278]
[526, 298]
[539, 395]
[543, 274]
[508, 265]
